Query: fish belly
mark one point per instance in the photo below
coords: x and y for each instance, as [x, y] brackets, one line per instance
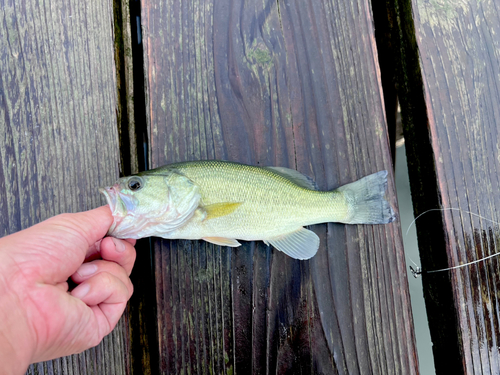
[253, 222]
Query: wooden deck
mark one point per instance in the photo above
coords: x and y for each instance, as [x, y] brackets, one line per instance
[59, 138]
[451, 115]
[275, 84]
[85, 97]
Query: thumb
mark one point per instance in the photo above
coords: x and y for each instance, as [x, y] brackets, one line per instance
[92, 224]
[82, 229]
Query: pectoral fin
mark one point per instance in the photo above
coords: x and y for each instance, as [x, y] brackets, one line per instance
[301, 244]
[220, 209]
[221, 241]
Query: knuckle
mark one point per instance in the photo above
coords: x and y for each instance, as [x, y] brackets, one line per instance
[95, 340]
[106, 279]
[112, 268]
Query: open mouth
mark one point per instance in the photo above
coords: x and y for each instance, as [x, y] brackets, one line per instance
[120, 204]
[111, 195]
[122, 208]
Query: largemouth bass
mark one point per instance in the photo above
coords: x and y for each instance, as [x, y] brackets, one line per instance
[221, 202]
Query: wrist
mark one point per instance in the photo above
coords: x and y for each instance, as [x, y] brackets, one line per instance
[12, 363]
[14, 353]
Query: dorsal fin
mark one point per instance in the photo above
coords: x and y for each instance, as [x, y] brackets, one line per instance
[295, 176]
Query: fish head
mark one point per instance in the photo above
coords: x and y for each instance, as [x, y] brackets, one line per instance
[146, 205]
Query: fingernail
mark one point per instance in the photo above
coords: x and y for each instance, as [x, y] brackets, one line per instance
[119, 245]
[81, 291]
[86, 269]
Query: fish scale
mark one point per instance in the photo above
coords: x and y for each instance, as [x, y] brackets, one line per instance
[271, 204]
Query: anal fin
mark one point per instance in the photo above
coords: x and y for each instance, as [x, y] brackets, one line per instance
[301, 244]
[221, 241]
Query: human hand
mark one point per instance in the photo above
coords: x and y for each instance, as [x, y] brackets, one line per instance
[39, 318]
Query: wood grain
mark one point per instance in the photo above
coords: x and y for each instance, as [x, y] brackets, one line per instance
[58, 133]
[455, 162]
[287, 83]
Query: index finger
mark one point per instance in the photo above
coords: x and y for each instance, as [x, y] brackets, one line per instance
[55, 248]
[116, 250]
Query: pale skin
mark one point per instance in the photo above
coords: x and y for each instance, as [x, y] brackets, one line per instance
[40, 319]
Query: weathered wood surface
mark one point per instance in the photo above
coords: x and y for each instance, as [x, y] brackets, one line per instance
[287, 83]
[58, 134]
[453, 148]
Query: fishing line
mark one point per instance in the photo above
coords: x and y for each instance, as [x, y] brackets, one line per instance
[417, 271]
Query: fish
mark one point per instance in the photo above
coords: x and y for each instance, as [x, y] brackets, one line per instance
[222, 202]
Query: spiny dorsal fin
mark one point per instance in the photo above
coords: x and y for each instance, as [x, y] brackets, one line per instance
[295, 176]
[221, 241]
[301, 244]
[220, 209]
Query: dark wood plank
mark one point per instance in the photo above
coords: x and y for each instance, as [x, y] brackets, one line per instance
[140, 318]
[58, 133]
[452, 136]
[289, 83]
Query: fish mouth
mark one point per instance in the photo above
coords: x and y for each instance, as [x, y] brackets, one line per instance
[111, 195]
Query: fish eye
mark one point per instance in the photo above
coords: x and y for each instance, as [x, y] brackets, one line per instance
[135, 183]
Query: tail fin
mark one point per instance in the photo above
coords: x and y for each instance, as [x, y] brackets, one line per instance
[366, 202]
